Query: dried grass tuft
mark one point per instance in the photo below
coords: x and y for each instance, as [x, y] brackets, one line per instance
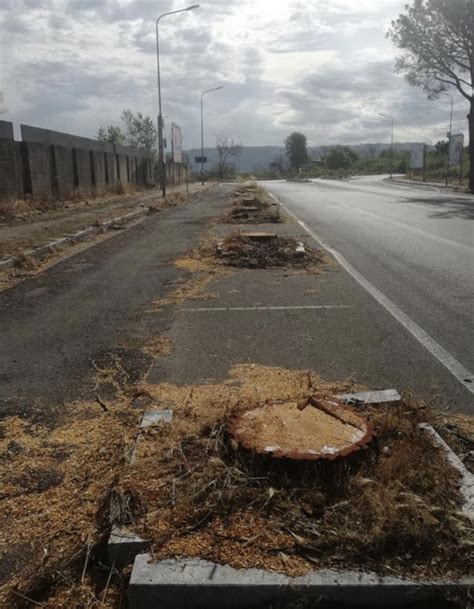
[246, 252]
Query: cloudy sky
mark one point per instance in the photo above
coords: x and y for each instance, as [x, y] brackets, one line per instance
[323, 67]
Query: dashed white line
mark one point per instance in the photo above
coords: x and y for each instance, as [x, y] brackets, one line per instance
[265, 308]
[464, 376]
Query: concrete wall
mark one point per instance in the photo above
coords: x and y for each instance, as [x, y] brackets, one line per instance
[53, 165]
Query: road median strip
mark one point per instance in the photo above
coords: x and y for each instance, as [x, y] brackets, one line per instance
[81, 235]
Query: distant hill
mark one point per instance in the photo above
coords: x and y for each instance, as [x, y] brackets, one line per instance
[254, 158]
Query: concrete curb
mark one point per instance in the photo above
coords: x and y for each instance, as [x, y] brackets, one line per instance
[437, 185]
[199, 584]
[74, 238]
[467, 479]
[123, 545]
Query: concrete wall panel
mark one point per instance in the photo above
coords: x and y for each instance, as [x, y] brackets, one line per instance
[122, 168]
[10, 170]
[83, 174]
[63, 177]
[98, 164]
[6, 130]
[111, 168]
[39, 166]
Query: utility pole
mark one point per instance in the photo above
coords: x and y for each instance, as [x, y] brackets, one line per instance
[202, 129]
[449, 134]
[161, 148]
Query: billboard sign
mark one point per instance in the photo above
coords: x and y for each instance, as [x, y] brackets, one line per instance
[417, 159]
[176, 143]
[200, 159]
[456, 149]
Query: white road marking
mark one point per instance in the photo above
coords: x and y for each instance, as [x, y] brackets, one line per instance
[455, 367]
[266, 308]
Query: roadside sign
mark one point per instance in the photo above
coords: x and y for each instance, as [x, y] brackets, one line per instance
[176, 143]
[417, 159]
[200, 159]
[456, 149]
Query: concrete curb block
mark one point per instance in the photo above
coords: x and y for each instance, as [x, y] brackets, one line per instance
[123, 545]
[200, 584]
[371, 397]
[74, 238]
[467, 479]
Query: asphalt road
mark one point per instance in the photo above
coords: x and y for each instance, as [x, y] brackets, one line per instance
[412, 246]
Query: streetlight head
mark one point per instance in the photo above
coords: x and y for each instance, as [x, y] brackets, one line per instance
[190, 8]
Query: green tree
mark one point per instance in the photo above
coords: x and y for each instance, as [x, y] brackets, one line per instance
[437, 37]
[340, 157]
[296, 150]
[442, 147]
[112, 134]
[138, 131]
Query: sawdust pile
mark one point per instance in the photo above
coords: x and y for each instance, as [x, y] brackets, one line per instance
[314, 430]
[393, 508]
[54, 482]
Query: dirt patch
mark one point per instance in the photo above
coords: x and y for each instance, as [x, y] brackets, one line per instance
[200, 264]
[260, 250]
[393, 508]
[159, 346]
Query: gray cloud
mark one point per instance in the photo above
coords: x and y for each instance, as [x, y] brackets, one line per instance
[320, 66]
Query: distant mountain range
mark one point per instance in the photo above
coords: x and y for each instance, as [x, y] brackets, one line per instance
[254, 158]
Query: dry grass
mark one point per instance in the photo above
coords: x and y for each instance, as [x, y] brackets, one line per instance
[393, 508]
[7, 209]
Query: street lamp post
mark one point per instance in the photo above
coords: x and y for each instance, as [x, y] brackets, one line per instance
[449, 133]
[161, 150]
[391, 143]
[202, 129]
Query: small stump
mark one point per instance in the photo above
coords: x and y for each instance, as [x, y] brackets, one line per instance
[315, 428]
